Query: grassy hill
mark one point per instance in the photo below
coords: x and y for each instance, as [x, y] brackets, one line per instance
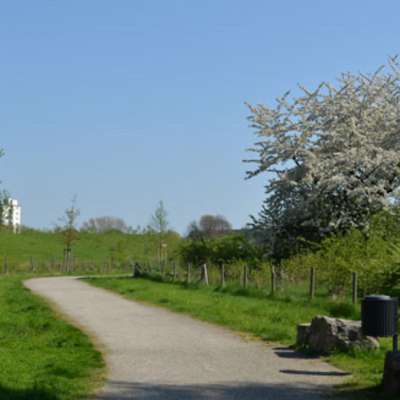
[47, 247]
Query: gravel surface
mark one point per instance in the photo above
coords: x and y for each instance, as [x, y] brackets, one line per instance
[152, 353]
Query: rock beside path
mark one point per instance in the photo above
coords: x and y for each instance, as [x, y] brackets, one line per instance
[325, 335]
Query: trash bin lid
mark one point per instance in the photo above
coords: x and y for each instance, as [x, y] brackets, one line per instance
[378, 297]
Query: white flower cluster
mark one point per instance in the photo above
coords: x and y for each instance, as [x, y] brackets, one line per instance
[334, 152]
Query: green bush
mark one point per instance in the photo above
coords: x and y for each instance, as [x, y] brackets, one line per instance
[374, 257]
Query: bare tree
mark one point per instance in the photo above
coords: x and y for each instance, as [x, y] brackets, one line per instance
[69, 232]
[209, 226]
[159, 224]
[5, 206]
[212, 225]
[104, 224]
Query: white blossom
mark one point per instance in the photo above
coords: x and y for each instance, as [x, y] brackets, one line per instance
[335, 152]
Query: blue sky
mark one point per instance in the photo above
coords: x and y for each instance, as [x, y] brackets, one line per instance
[124, 103]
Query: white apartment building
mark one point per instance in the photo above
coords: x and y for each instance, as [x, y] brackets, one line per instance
[13, 215]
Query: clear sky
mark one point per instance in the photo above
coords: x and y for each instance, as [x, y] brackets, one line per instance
[127, 102]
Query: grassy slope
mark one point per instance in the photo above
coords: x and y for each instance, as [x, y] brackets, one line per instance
[44, 246]
[270, 319]
[41, 357]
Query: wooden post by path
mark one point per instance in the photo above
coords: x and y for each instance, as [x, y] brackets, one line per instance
[174, 271]
[5, 265]
[32, 264]
[162, 268]
[312, 283]
[188, 277]
[245, 276]
[133, 269]
[222, 275]
[354, 287]
[273, 280]
[205, 274]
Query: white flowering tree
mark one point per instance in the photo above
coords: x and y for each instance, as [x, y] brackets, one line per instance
[334, 154]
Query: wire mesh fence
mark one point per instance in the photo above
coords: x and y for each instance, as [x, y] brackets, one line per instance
[265, 278]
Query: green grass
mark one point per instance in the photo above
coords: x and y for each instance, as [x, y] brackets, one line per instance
[251, 311]
[42, 357]
[47, 247]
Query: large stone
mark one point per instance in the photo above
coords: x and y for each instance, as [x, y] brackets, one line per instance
[326, 335]
[391, 375]
[323, 335]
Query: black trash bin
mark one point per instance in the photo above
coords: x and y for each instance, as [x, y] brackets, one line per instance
[379, 316]
[379, 319]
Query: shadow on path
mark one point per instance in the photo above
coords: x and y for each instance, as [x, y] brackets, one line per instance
[315, 373]
[225, 391]
[286, 352]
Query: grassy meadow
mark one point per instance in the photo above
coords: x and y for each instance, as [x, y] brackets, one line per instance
[43, 249]
[42, 357]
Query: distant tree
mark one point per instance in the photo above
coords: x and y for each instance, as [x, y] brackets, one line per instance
[104, 224]
[232, 248]
[69, 232]
[193, 231]
[212, 225]
[209, 226]
[6, 209]
[159, 224]
[196, 252]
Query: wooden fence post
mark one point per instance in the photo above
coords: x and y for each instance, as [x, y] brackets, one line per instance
[312, 283]
[162, 269]
[133, 264]
[222, 274]
[245, 276]
[205, 272]
[188, 277]
[32, 264]
[273, 280]
[354, 287]
[5, 267]
[174, 271]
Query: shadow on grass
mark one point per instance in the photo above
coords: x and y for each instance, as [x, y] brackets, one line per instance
[28, 394]
[119, 390]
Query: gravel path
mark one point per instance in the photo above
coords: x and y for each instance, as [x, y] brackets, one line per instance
[154, 354]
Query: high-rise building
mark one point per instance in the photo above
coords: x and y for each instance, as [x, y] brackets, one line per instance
[13, 215]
